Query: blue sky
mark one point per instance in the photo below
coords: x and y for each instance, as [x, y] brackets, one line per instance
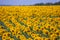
[24, 2]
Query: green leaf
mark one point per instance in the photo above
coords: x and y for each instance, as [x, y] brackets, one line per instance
[12, 23]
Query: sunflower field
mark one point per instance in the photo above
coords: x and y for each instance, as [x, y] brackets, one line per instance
[29, 22]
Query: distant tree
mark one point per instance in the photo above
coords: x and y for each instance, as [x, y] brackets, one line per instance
[49, 4]
[39, 4]
[57, 3]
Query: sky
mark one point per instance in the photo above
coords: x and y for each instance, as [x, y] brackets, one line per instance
[25, 2]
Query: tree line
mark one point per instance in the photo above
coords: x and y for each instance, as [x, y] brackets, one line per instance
[56, 3]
